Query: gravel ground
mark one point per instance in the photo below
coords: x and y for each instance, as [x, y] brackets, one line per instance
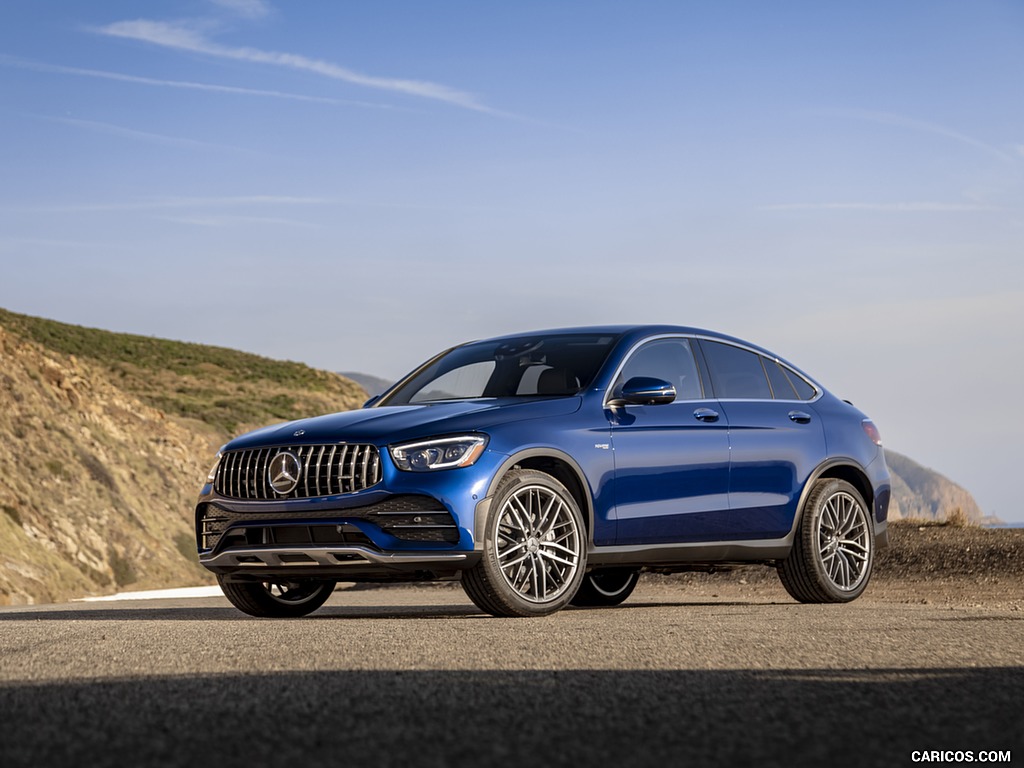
[925, 564]
[693, 670]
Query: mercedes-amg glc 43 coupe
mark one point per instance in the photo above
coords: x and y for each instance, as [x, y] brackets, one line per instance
[550, 468]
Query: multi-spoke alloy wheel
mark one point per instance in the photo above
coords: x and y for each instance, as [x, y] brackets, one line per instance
[833, 552]
[534, 550]
[843, 540]
[277, 599]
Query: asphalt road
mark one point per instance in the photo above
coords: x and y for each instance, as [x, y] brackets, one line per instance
[416, 676]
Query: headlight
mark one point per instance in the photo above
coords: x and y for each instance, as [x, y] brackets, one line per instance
[441, 453]
[213, 470]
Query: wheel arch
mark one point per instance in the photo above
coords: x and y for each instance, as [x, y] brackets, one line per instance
[551, 461]
[838, 469]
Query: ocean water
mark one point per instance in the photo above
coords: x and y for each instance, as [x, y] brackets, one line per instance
[1007, 525]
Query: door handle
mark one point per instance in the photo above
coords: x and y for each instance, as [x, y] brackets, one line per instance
[705, 414]
[800, 417]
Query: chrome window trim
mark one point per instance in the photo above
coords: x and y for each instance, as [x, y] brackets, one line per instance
[818, 392]
[642, 342]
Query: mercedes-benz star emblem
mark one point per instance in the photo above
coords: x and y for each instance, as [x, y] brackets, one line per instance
[283, 472]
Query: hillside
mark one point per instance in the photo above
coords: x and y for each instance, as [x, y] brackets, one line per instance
[374, 385]
[222, 388]
[104, 441]
[922, 493]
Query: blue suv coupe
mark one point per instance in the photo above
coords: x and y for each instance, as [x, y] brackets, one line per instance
[551, 468]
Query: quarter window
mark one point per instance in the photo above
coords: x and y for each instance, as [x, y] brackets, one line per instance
[781, 386]
[736, 373]
[804, 389]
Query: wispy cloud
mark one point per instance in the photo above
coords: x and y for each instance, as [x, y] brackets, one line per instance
[919, 207]
[181, 203]
[887, 118]
[249, 9]
[180, 36]
[130, 133]
[12, 61]
[234, 221]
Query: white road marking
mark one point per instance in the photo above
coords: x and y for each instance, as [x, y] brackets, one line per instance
[157, 594]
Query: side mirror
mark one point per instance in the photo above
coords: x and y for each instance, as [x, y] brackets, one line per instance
[645, 390]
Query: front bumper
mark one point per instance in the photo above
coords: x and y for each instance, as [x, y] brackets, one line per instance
[356, 563]
[409, 526]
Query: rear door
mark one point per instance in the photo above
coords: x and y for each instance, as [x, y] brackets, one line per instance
[776, 440]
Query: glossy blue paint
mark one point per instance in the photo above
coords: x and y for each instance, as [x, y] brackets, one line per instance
[771, 458]
[698, 469]
[671, 479]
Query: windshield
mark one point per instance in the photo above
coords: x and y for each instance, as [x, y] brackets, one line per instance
[529, 366]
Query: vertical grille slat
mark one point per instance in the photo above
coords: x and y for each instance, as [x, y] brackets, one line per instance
[341, 469]
[246, 474]
[366, 465]
[319, 464]
[350, 472]
[325, 470]
[236, 461]
[303, 454]
[330, 472]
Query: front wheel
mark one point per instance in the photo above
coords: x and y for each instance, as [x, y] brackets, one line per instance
[280, 599]
[534, 548]
[606, 587]
[834, 549]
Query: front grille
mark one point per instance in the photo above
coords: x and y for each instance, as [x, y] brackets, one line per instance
[324, 470]
[409, 518]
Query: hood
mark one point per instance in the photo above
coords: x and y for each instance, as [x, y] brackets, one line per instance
[393, 424]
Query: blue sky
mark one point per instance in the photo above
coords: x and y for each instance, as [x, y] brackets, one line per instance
[358, 185]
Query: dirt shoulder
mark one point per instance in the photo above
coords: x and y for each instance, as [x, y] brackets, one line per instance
[924, 564]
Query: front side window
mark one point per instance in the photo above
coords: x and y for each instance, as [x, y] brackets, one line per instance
[554, 365]
[736, 374]
[670, 360]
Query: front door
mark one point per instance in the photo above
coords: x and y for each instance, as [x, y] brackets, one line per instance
[671, 461]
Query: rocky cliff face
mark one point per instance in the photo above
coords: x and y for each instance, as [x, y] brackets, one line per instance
[97, 488]
[922, 493]
[102, 452]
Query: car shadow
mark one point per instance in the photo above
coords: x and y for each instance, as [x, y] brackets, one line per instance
[458, 717]
[330, 612]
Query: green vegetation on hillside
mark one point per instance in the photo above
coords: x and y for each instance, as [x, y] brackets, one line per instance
[223, 387]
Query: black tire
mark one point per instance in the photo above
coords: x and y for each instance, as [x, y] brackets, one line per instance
[534, 548]
[834, 549]
[281, 599]
[606, 587]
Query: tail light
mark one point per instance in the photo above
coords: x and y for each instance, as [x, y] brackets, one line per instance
[872, 431]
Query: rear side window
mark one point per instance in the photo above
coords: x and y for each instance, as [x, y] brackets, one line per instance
[736, 373]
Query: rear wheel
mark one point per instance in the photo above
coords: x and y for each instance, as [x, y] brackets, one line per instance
[276, 599]
[606, 586]
[534, 548]
[833, 553]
